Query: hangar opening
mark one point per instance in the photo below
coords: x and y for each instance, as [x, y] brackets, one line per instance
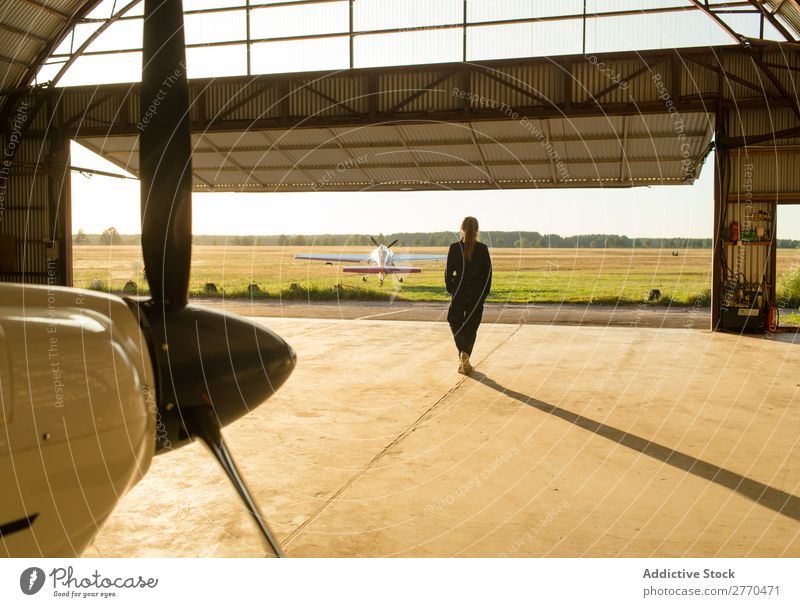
[373, 96]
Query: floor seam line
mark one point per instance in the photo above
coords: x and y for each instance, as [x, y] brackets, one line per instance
[293, 535]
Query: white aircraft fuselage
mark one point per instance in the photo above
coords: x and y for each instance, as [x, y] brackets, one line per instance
[77, 401]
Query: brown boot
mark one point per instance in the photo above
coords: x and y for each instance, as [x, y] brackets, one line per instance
[465, 368]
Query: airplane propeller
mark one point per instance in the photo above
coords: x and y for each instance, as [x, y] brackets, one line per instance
[211, 367]
[375, 242]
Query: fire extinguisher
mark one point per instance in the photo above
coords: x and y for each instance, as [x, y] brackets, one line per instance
[772, 319]
[735, 231]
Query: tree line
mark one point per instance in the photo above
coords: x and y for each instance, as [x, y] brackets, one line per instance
[493, 238]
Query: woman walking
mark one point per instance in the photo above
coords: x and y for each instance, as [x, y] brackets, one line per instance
[468, 279]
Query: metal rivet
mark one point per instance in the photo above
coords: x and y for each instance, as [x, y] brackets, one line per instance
[46, 436]
[165, 347]
[170, 406]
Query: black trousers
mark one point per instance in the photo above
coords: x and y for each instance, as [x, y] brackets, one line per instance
[464, 317]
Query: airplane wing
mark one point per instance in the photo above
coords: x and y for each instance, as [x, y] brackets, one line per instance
[356, 258]
[381, 270]
[413, 257]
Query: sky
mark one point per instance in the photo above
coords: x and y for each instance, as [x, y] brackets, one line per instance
[658, 211]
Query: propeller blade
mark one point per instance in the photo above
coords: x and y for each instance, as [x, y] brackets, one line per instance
[241, 363]
[396, 240]
[375, 242]
[204, 425]
[207, 357]
[165, 154]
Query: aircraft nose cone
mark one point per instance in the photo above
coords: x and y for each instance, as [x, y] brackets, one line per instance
[244, 363]
[261, 377]
[218, 359]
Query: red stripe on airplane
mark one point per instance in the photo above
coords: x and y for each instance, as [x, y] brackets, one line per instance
[378, 270]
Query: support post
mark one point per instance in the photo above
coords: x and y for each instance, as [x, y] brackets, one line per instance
[59, 216]
[772, 273]
[464, 33]
[351, 39]
[65, 214]
[720, 163]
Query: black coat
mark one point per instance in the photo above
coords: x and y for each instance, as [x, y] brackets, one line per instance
[468, 279]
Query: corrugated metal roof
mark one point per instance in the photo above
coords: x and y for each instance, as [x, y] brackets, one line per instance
[44, 24]
[618, 150]
[600, 151]
[788, 13]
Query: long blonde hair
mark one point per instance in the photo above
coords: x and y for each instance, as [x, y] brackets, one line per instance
[469, 229]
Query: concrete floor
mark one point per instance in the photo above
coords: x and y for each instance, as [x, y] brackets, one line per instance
[568, 441]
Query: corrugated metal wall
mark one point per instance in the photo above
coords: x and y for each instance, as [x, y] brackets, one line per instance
[775, 165]
[24, 215]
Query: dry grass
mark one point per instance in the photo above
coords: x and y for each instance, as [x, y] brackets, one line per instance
[520, 275]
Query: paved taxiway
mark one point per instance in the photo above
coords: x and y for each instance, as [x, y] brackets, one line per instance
[677, 317]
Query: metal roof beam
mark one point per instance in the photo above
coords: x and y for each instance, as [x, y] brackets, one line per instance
[25, 34]
[777, 84]
[83, 113]
[273, 146]
[238, 167]
[226, 110]
[728, 143]
[419, 92]
[481, 155]
[413, 155]
[770, 16]
[550, 159]
[11, 103]
[627, 78]
[332, 100]
[697, 104]
[706, 8]
[461, 185]
[37, 4]
[624, 149]
[13, 61]
[347, 151]
[86, 43]
[279, 147]
[515, 87]
[758, 88]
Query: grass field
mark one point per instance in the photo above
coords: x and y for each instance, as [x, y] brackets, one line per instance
[520, 275]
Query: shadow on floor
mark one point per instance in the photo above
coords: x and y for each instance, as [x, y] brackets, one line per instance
[769, 497]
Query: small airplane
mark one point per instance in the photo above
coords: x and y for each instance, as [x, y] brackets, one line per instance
[381, 259]
[93, 386]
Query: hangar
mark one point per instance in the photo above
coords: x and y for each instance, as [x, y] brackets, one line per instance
[572, 112]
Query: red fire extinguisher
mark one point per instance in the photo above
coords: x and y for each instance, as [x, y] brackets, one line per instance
[735, 231]
[772, 319]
